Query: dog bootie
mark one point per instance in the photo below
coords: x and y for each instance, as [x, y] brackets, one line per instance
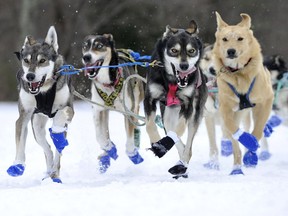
[57, 180]
[226, 147]
[274, 121]
[16, 170]
[59, 140]
[246, 139]
[161, 147]
[137, 136]
[237, 171]
[268, 130]
[212, 165]
[179, 169]
[250, 159]
[112, 152]
[104, 163]
[135, 157]
[264, 155]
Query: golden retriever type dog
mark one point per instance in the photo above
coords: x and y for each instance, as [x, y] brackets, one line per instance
[243, 84]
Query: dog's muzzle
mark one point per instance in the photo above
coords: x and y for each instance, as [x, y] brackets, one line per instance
[91, 70]
[182, 77]
[34, 87]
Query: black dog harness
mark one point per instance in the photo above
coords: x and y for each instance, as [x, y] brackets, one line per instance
[244, 98]
[45, 102]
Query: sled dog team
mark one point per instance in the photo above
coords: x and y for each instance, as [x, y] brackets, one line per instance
[179, 83]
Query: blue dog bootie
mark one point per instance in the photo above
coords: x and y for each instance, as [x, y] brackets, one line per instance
[247, 140]
[135, 157]
[104, 163]
[112, 152]
[274, 121]
[226, 147]
[59, 140]
[250, 159]
[16, 170]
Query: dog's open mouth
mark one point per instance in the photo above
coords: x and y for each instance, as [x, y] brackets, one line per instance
[34, 87]
[182, 76]
[91, 70]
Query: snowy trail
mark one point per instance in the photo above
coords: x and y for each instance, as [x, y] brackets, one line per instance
[145, 189]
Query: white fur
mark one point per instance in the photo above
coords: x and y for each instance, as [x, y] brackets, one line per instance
[51, 38]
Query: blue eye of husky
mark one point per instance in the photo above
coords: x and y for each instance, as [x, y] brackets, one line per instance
[99, 46]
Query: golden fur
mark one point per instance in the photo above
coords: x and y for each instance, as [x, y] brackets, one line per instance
[240, 72]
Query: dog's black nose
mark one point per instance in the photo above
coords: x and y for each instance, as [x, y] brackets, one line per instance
[212, 71]
[184, 66]
[87, 58]
[30, 76]
[231, 53]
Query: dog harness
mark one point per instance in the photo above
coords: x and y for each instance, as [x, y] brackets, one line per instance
[244, 98]
[45, 102]
[109, 100]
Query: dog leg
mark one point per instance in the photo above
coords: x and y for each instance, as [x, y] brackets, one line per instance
[213, 153]
[101, 121]
[264, 153]
[18, 167]
[131, 149]
[38, 125]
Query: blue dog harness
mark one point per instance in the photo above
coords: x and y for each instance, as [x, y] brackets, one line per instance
[244, 98]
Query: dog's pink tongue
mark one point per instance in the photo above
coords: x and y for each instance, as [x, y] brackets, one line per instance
[186, 73]
[34, 85]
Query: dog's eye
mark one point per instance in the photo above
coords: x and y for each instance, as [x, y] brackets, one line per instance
[42, 61]
[191, 51]
[240, 39]
[99, 46]
[174, 51]
[26, 60]
[225, 39]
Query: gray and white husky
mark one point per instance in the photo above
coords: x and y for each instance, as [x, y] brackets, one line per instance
[180, 88]
[99, 57]
[43, 94]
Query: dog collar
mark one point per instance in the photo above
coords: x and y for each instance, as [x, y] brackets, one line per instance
[115, 83]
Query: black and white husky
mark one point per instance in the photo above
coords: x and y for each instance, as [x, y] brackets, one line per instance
[99, 53]
[180, 88]
[43, 94]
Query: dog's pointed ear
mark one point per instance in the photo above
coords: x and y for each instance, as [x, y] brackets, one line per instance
[108, 36]
[169, 31]
[246, 21]
[18, 55]
[29, 40]
[51, 38]
[220, 23]
[192, 28]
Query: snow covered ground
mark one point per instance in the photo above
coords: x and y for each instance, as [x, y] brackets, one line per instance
[145, 189]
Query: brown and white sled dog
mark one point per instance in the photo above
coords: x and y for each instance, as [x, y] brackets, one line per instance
[99, 53]
[180, 88]
[43, 94]
[244, 84]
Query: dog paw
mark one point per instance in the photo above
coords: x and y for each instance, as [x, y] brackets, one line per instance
[250, 159]
[249, 141]
[161, 147]
[135, 157]
[59, 140]
[268, 130]
[16, 170]
[179, 169]
[104, 163]
[212, 165]
[237, 171]
[180, 176]
[274, 121]
[112, 152]
[264, 155]
[226, 147]
[57, 180]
